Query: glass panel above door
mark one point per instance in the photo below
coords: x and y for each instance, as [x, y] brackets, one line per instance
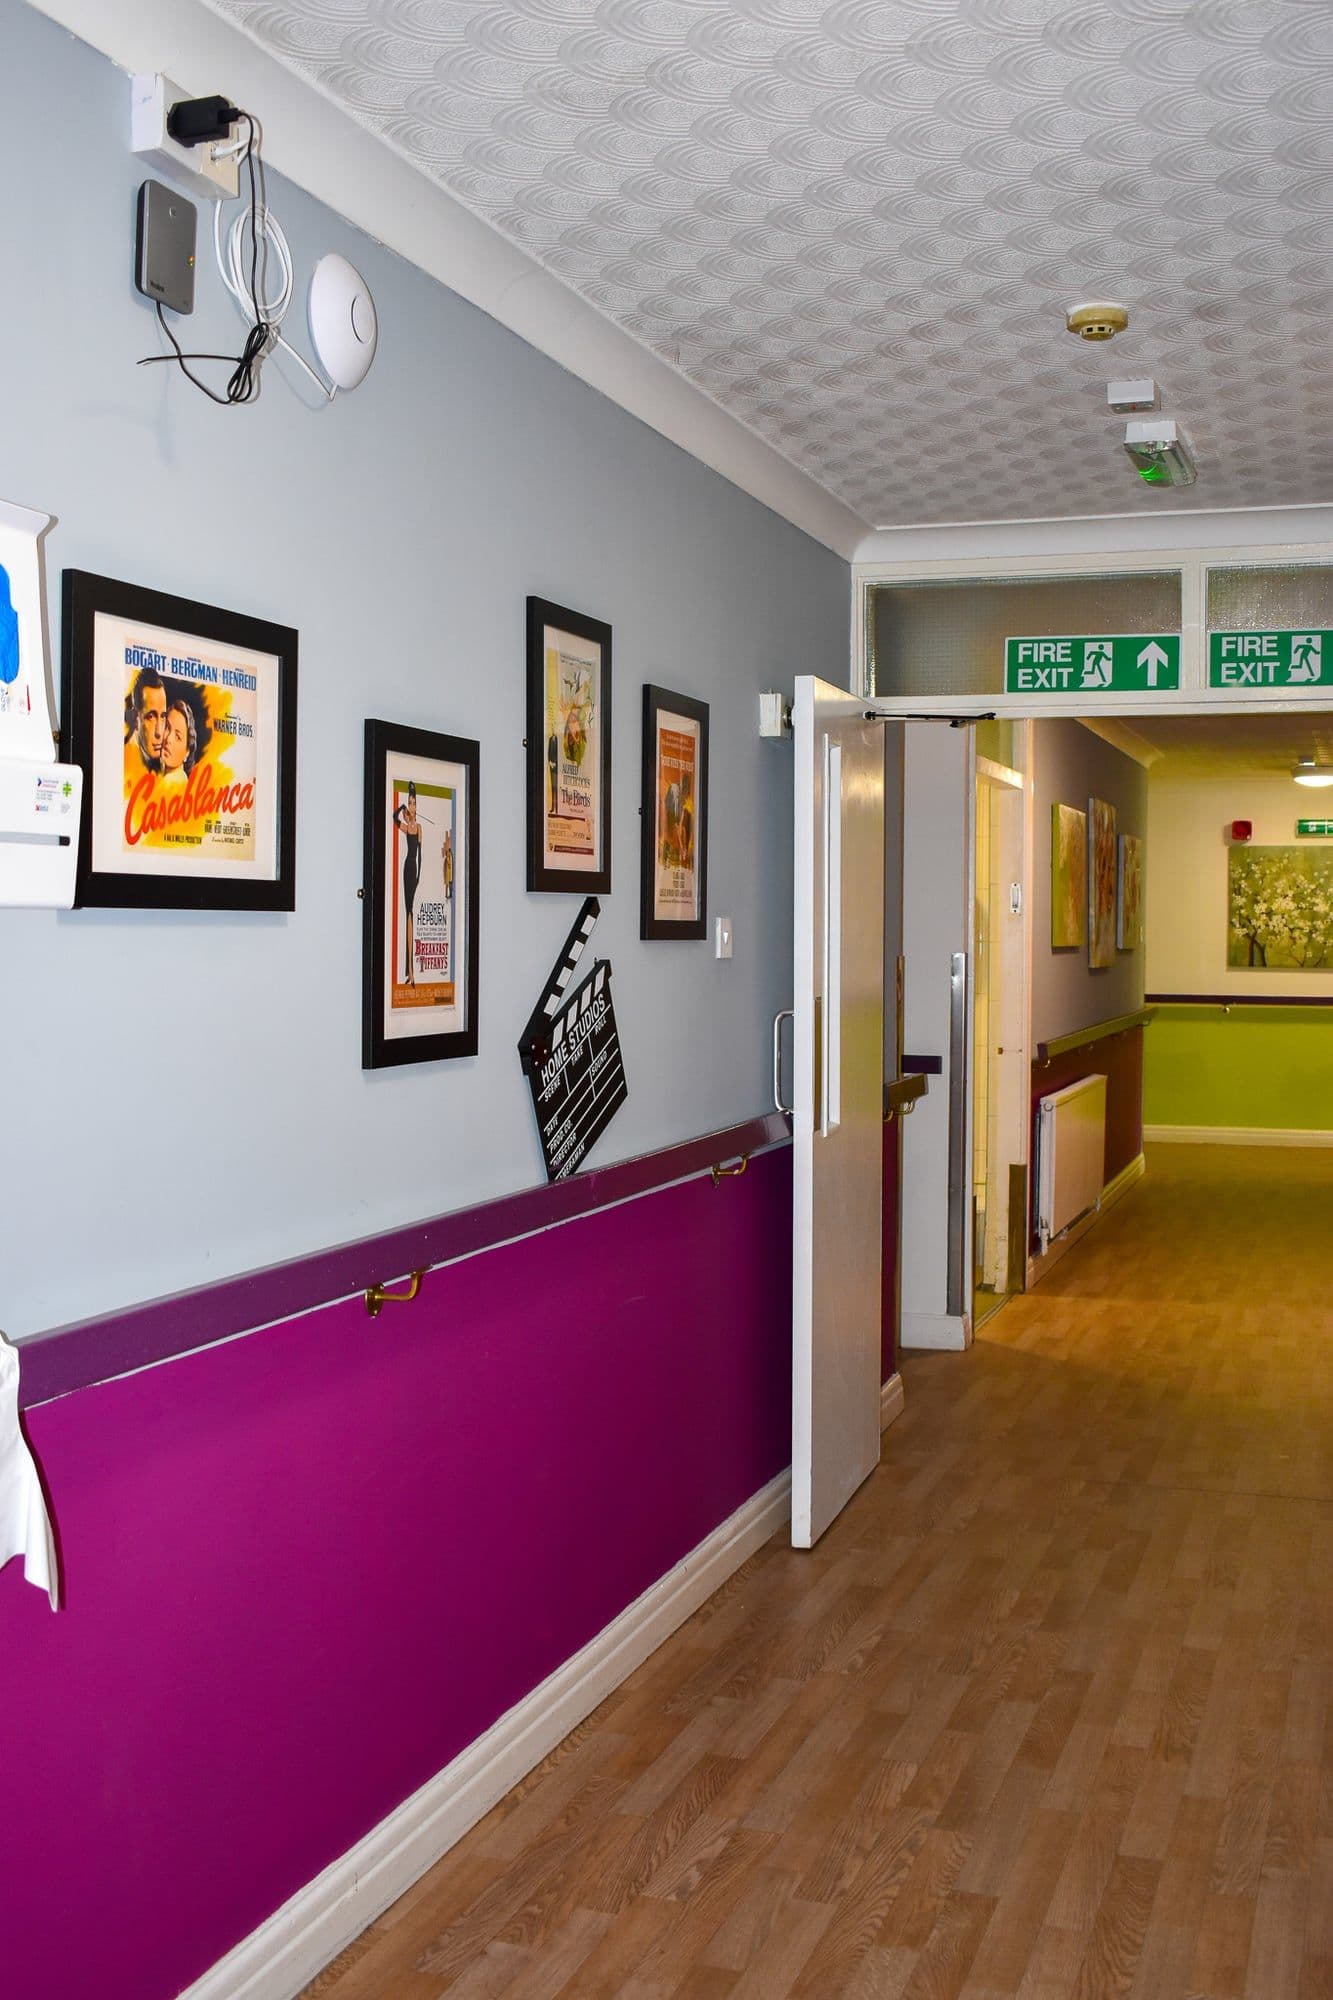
[947, 638]
[1262, 599]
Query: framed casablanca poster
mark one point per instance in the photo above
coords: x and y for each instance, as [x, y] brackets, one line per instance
[673, 840]
[569, 750]
[420, 887]
[183, 717]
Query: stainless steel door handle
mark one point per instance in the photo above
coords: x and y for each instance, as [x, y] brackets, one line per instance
[784, 1014]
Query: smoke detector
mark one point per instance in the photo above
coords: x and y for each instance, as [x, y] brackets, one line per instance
[1097, 319]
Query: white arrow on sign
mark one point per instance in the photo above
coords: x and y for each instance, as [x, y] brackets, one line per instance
[1152, 657]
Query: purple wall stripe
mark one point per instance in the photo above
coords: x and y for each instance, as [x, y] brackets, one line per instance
[303, 1572]
[86, 1352]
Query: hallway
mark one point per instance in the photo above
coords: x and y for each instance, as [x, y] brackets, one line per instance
[1045, 1714]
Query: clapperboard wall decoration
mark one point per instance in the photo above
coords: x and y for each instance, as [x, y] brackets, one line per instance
[570, 1052]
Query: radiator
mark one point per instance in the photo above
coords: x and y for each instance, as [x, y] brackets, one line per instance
[1071, 1154]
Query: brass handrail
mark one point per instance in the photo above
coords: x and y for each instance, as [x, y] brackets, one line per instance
[379, 1296]
[1063, 1045]
[721, 1173]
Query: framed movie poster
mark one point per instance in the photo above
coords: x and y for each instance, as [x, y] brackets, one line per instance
[419, 956]
[569, 750]
[673, 840]
[183, 717]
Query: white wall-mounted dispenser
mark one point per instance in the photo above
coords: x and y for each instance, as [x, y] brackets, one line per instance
[39, 798]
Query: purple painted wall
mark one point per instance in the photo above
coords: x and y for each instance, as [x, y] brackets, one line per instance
[305, 1569]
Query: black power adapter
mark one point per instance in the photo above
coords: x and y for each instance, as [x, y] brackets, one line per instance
[195, 120]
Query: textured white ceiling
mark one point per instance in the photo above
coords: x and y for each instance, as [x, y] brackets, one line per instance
[1206, 745]
[856, 223]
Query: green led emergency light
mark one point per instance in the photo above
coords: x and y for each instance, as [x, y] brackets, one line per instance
[1158, 453]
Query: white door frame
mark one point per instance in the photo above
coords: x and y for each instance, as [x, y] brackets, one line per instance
[1193, 697]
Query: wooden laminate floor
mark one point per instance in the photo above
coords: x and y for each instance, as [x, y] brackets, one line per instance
[1044, 1716]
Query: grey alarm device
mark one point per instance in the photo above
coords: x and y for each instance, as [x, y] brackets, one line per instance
[164, 247]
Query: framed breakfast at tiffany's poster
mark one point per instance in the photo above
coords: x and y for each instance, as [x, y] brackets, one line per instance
[569, 750]
[421, 896]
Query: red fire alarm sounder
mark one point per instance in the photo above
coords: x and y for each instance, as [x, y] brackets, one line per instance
[1241, 829]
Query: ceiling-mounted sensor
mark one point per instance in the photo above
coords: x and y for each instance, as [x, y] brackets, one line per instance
[1160, 455]
[343, 324]
[1141, 394]
[1097, 319]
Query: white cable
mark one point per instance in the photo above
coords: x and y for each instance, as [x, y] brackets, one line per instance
[233, 267]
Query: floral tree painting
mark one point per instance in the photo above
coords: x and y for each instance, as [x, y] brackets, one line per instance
[1101, 884]
[1069, 877]
[1281, 908]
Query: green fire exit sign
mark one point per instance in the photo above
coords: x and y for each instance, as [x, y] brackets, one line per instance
[1270, 659]
[1107, 663]
[1312, 829]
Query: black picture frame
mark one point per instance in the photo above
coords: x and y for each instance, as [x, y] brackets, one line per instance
[393, 1028]
[586, 875]
[239, 703]
[657, 827]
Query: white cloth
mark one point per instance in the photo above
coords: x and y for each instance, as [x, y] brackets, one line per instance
[24, 1527]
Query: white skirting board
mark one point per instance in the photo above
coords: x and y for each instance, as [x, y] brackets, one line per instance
[951, 1331]
[1038, 1266]
[1236, 1135]
[319, 1921]
[890, 1401]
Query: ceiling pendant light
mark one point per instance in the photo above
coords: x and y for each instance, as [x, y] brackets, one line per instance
[1309, 771]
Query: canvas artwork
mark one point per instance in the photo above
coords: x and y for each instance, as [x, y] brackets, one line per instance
[1101, 884]
[1280, 908]
[1129, 893]
[1069, 876]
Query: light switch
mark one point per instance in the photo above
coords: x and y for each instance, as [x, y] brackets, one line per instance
[723, 935]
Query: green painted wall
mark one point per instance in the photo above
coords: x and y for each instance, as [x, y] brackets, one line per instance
[1270, 1067]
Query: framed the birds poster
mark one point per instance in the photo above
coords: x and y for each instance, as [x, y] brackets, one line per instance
[569, 750]
[420, 886]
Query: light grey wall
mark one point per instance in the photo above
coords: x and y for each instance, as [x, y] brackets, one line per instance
[183, 1096]
[1069, 766]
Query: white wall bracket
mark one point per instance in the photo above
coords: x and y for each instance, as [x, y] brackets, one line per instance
[775, 714]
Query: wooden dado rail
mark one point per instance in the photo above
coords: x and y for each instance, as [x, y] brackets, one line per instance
[1230, 1000]
[1063, 1045]
[90, 1351]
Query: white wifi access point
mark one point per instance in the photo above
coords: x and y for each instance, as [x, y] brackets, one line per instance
[343, 322]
